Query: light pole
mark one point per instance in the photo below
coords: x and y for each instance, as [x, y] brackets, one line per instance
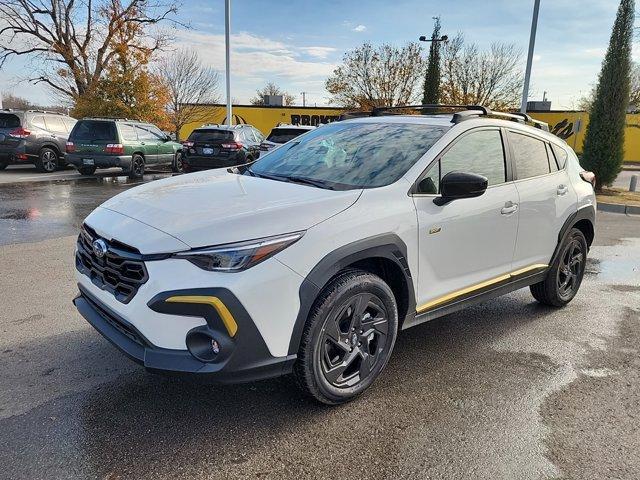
[532, 44]
[304, 98]
[227, 30]
[431, 92]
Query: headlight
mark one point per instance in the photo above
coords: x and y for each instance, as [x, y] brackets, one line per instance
[234, 257]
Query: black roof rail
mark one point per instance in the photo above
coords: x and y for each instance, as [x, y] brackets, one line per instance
[113, 118]
[377, 111]
[48, 112]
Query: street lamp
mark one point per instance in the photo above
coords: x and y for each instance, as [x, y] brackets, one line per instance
[443, 38]
[532, 43]
[227, 32]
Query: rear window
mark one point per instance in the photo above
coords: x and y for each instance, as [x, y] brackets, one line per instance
[94, 131]
[8, 120]
[283, 135]
[210, 136]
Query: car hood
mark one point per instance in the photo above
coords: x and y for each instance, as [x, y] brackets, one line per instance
[216, 207]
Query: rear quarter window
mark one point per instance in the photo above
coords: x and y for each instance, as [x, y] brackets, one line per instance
[530, 155]
[283, 135]
[560, 154]
[94, 131]
[9, 120]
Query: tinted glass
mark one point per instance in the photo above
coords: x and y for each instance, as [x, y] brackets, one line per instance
[478, 152]
[55, 124]
[8, 120]
[561, 155]
[38, 121]
[530, 155]
[211, 136]
[128, 132]
[283, 135]
[352, 155]
[94, 131]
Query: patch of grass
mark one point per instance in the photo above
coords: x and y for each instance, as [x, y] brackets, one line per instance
[618, 195]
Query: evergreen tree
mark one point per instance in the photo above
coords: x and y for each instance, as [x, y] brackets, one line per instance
[432, 77]
[604, 141]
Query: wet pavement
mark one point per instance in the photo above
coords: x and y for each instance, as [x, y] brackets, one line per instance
[506, 389]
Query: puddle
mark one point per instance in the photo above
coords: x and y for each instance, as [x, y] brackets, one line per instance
[26, 214]
[616, 265]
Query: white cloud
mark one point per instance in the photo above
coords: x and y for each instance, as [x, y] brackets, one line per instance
[359, 28]
[256, 60]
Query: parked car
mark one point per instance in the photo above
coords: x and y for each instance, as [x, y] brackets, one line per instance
[128, 144]
[282, 134]
[310, 260]
[216, 146]
[34, 137]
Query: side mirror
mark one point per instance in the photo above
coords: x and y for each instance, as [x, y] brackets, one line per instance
[456, 185]
[167, 138]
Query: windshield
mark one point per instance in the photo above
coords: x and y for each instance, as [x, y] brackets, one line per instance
[283, 135]
[351, 155]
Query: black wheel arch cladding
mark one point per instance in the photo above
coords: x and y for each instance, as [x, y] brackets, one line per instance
[386, 247]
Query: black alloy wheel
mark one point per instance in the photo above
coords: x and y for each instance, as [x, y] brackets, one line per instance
[137, 166]
[47, 160]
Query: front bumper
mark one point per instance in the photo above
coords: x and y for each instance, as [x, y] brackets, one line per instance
[244, 357]
[99, 161]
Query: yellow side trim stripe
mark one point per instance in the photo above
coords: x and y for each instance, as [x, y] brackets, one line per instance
[226, 316]
[487, 283]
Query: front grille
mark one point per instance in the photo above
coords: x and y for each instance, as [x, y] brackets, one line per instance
[120, 271]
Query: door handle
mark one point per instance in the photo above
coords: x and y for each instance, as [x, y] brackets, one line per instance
[509, 208]
[142, 143]
[562, 189]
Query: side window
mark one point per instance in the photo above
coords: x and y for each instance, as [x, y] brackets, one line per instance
[38, 121]
[561, 155]
[530, 155]
[55, 124]
[156, 131]
[478, 152]
[144, 134]
[128, 132]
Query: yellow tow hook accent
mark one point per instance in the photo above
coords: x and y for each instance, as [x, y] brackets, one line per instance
[216, 303]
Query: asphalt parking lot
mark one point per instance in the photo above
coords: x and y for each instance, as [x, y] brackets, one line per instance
[506, 389]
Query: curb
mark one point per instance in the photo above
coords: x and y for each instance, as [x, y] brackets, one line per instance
[619, 208]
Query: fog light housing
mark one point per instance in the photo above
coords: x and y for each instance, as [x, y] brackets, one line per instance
[208, 345]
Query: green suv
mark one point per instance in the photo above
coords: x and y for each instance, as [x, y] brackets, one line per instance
[104, 143]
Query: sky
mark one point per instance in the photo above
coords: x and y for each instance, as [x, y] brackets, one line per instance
[298, 43]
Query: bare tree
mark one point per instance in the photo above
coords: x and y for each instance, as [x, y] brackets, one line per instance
[471, 76]
[190, 84]
[73, 42]
[272, 89]
[382, 76]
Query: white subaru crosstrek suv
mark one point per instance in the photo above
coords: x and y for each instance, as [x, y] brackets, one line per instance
[311, 259]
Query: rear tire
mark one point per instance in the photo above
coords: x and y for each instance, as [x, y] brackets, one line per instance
[47, 160]
[565, 275]
[348, 337]
[137, 167]
[87, 170]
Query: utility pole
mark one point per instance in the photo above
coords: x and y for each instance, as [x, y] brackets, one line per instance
[532, 44]
[227, 30]
[304, 98]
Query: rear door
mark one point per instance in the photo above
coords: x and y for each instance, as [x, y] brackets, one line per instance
[57, 130]
[546, 198]
[90, 137]
[466, 243]
[9, 123]
[148, 143]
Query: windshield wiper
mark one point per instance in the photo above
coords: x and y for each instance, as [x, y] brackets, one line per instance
[309, 181]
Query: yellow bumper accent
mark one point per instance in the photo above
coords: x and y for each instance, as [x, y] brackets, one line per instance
[479, 286]
[216, 303]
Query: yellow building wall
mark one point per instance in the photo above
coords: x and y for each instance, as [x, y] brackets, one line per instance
[572, 126]
[569, 125]
[264, 118]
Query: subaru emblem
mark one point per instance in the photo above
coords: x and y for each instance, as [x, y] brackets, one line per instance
[99, 248]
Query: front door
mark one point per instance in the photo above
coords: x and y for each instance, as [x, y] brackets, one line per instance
[149, 143]
[467, 244]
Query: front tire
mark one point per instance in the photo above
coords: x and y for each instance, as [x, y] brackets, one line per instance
[178, 165]
[565, 275]
[348, 337]
[137, 167]
[47, 160]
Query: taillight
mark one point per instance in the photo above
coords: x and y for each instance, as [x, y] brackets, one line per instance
[70, 148]
[589, 177]
[20, 132]
[114, 149]
[232, 146]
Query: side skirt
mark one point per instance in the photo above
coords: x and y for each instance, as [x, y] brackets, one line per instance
[473, 299]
